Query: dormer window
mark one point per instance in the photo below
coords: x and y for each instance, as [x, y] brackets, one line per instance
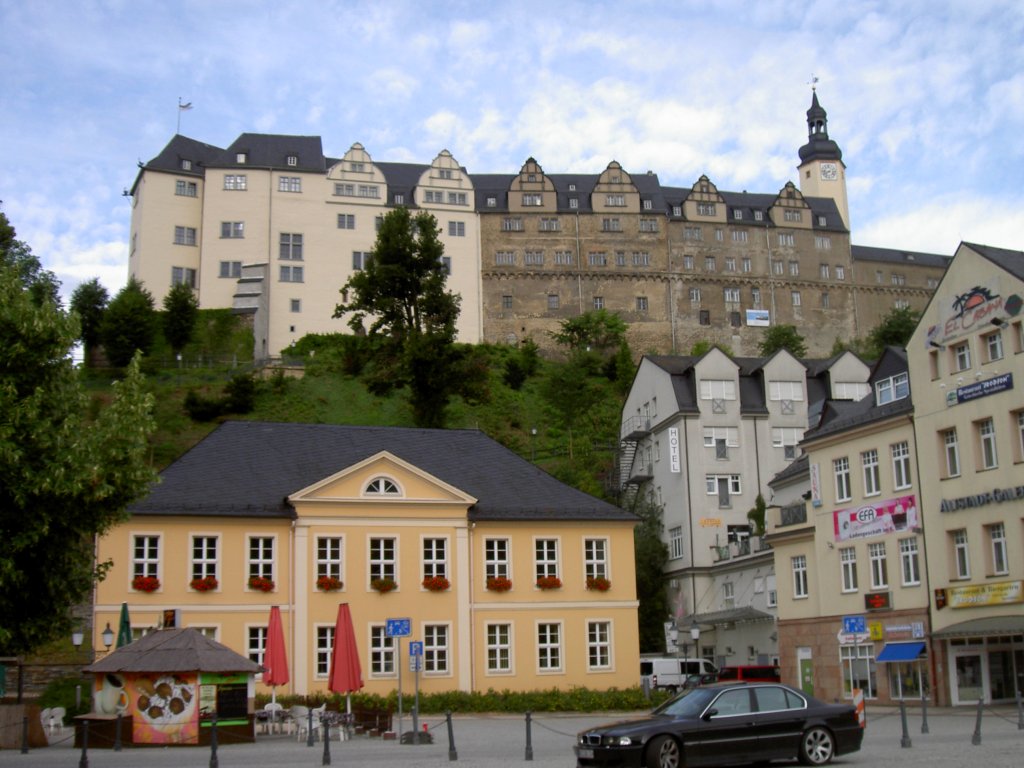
[241, 157]
[381, 486]
[292, 160]
[893, 388]
[186, 165]
[737, 214]
[572, 187]
[758, 215]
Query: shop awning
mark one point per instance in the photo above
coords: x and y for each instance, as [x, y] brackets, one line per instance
[901, 652]
[991, 625]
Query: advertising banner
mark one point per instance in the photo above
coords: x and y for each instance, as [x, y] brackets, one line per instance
[876, 519]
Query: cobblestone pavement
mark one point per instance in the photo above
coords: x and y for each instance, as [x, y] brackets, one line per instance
[499, 741]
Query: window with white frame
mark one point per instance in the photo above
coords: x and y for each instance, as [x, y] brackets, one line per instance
[261, 557]
[204, 557]
[381, 486]
[688, 262]
[368, 190]
[724, 486]
[291, 246]
[599, 645]
[841, 472]
[456, 229]
[597, 259]
[951, 451]
[705, 209]
[231, 269]
[360, 260]
[595, 558]
[549, 646]
[961, 555]
[799, 567]
[382, 652]
[146, 555]
[383, 557]
[787, 438]
[786, 240]
[532, 199]
[564, 258]
[641, 259]
[840, 272]
[545, 558]
[235, 182]
[499, 648]
[496, 558]
[872, 478]
[346, 221]
[728, 595]
[910, 569]
[778, 267]
[848, 568]
[716, 437]
[739, 236]
[962, 356]
[289, 184]
[435, 557]
[993, 344]
[292, 274]
[256, 644]
[185, 188]
[648, 224]
[795, 298]
[435, 649]
[328, 556]
[823, 243]
[324, 648]
[786, 390]
[184, 235]
[694, 294]
[900, 465]
[613, 224]
[675, 542]
[771, 593]
[457, 198]
[641, 304]
[503, 258]
[851, 390]
[987, 441]
[183, 276]
[534, 258]
[512, 224]
[732, 295]
[717, 389]
[997, 539]
[893, 388]
[730, 263]
[879, 568]
[755, 297]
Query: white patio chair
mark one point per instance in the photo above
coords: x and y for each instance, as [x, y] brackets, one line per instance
[57, 719]
[44, 719]
[300, 715]
[275, 717]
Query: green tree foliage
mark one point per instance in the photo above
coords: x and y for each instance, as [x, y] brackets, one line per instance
[401, 293]
[704, 346]
[756, 515]
[181, 310]
[597, 331]
[651, 555]
[16, 255]
[895, 330]
[63, 478]
[89, 302]
[621, 369]
[782, 337]
[129, 324]
[570, 395]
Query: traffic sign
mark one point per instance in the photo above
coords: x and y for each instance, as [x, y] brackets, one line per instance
[398, 627]
[415, 663]
[416, 648]
[854, 625]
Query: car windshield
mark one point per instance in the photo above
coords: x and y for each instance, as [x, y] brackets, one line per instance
[689, 703]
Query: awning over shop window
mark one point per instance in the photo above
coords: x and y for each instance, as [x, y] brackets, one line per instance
[901, 652]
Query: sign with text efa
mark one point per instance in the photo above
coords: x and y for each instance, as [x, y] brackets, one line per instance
[876, 519]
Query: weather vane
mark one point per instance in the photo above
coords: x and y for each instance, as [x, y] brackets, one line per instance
[814, 82]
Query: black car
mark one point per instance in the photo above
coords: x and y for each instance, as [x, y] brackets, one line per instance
[725, 725]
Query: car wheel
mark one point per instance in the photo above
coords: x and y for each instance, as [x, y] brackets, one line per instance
[663, 752]
[817, 747]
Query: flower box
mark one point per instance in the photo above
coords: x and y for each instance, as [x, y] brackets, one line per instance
[261, 583]
[499, 584]
[145, 583]
[436, 583]
[549, 582]
[384, 585]
[328, 584]
[598, 583]
[205, 584]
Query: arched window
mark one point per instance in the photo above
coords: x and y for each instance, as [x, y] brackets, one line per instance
[381, 485]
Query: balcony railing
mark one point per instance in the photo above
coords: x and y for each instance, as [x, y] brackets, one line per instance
[741, 548]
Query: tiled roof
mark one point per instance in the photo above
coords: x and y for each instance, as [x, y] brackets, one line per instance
[174, 651]
[897, 256]
[268, 150]
[249, 468]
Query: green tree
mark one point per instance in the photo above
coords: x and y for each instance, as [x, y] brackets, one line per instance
[181, 310]
[129, 324]
[41, 283]
[570, 395]
[597, 331]
[895, 329]
[89, 302]
[401, 292]
[756, 515]
[63, 478]
[782, 337]
[651, 555]
[704, 346]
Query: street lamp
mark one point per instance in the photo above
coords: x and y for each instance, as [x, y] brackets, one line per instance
[77, 638]
[693, 629]
[108, 636]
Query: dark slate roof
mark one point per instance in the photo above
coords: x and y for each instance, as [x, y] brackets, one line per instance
[249, 468]
[795, 468]
[840, 415]
[269, 150]
[898, 256]
[180, 148]
[1011, 261]
[402, 178]
[730, 615]
[174, 651]
[892, 361]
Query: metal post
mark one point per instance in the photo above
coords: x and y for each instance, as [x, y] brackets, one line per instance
[78, 697]
[1020, 711]
[529, 742]
[214, 762]
[327, 740]
[416, 700]
[309, 728]
[24, 735]
[924, 710]
[905, 739]
[83, 762]
[117, 733]
[399, 639]
[452, 753]
[976, 738]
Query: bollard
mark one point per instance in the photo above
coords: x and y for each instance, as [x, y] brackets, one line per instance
[213, 743]
[529, 741]
[976, 738]
[83, 762]
[309, 729]
[924, 712]
[905, 739]
[117, 733]
[24, 735]
[327, 740]
[452, 754]
[1020, 712]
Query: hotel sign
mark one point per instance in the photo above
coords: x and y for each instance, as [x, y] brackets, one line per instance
[1003, 593]
[673, 450]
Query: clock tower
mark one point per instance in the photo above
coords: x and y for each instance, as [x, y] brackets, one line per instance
[822, 173]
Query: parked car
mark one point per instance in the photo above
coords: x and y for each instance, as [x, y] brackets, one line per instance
[752, 673]
[670, 672]
[726, 724]
[695, 680]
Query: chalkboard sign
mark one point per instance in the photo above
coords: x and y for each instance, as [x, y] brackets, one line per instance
[232, 701]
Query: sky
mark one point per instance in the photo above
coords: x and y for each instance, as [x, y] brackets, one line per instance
[925, 99]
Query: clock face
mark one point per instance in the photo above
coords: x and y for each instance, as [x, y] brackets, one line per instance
[829, 171]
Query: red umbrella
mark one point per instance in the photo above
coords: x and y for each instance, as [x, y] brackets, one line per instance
[275, 659]
[346, 673]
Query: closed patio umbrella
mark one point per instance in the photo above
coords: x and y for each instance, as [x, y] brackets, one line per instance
[346, 674]
[124, 629]
[275, 659]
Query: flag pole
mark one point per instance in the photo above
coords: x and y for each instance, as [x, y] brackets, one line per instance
[182, 107]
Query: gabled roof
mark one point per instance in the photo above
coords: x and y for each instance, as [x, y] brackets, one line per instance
[249, 468]
[174, 651]
[181, 148]
[1011, 261]
[841, 415]
[795, 468]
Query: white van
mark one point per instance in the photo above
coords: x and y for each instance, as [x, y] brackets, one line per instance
[670, 672]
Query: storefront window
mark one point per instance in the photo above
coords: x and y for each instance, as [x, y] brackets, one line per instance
[907, 679]
[858, 665]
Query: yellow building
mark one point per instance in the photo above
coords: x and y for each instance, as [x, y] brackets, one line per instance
[510, 578]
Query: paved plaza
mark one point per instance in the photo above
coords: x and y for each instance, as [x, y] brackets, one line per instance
[499, 741]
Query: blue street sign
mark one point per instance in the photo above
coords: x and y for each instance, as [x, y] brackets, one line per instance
[416, 648]
[398, 627]
[854, 624]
